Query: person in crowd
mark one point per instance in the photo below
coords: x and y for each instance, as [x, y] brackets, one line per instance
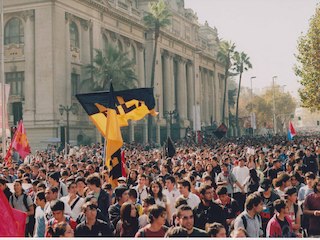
[5, 188]
[297, 181]
[133, 198]
[141, 188]
[310, 161]
[241, 172]
[171, 193]
[128, 225]
[133, 178]
[184, 187]
[308, 188]
[23, 202]
[94, 184]
[176, 232]
[252, 181]
[312, 210]
[144, 218]
[282, 183]
[62, 229]
[185, 218]
[250, 218]
[40, 225]
[272, 172]
[230, 206]
[73, 200]
[91, 226]
[81, 187]
[216, 230]
[239, 233]
[54, 181]
[161, 200]
[122, 196]
[156, 227]
[280, 224]
[294, 210]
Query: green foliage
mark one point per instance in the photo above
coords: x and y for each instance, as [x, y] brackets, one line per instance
[158, 17]
[111, 65]
[308, 66]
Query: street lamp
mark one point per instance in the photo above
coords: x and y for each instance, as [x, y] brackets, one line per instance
[74, 109]
[169, 115]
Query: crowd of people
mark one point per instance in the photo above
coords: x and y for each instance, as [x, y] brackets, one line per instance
[241, 187]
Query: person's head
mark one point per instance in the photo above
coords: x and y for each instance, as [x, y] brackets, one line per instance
[216, 230]
[254, 203]
[133, 195]
[265, 186]
[53, 178]
[170, 182]
[147, 202]
[185, 217]
[276, 163]
[316, 185]
[3, 184]
[206, 193]
[142, 180]
[242, 162]
[128, 211]
[41, 199]
[291, 194]
[17, 186]
[122, 194]
[283, 180]
[72, 188]
[239, 233]
[157, 215]
[156, 189]
[62, 229]
[90, 210]
[176, 232]
[184, 187]
[222, 193]
[280, 206]
[81, 183]
[51, 193]
[93, 181]
[310, 178]
[57, 208]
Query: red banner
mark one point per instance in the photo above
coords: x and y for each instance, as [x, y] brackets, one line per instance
[20, 142]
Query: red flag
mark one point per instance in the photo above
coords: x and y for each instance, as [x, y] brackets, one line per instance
[13, 222]
[123, 161]
[20, 142]
[291, 129]
[8, 157]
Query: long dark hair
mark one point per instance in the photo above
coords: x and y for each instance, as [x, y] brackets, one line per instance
[130, 225]
[160, 196]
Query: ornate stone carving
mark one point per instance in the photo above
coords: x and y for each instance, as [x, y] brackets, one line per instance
[86, 24]
[114, 36]
[127, 41]
[28, 14]
[140, 46]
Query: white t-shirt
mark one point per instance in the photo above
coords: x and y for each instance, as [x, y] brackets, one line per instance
[171, 198]
[192, 200]
[75, 212]
[241, 173]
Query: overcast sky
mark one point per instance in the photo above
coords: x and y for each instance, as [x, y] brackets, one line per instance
[267, 30]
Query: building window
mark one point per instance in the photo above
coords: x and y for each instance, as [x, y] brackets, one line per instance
[13, 32]
[16, 81]
[75, 80]
[74, 35]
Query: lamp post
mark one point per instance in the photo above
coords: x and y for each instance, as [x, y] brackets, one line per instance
[74, 109]
[169, 115]
[274, 106]
[251, 115]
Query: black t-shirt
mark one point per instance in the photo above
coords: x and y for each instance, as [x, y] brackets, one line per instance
[285, 227]
[232, 209]
[99, 229]
[198, 233]
[272, 173]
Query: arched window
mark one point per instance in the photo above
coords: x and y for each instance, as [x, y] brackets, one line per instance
[74, 35]
[13, 32]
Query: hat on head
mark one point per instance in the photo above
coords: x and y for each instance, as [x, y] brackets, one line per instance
[121, 179]
[55, 176]
[120, 190]
[265, 185]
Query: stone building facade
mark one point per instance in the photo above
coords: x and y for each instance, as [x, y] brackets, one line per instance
[48, 43]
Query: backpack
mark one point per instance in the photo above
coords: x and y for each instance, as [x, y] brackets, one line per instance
[245, 223]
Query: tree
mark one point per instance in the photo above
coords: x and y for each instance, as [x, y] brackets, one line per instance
[225, 56]
[241, 63]
[111, 65]
[158, 17]
[308, 66]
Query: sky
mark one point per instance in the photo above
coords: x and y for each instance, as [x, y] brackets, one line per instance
[266, 30]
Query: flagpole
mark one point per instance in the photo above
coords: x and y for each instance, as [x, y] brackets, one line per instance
[3, 86]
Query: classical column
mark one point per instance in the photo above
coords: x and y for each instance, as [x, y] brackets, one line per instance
[145, 130]
[167, 80]
[85, 46]
[141, 72]
[190, 89]
[217, 96]
[201, 93]
[206, 95]
[212, 96]
[182, 89]
[131, 131]
[29, 85]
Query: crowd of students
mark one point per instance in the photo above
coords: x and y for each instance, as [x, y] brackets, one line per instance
[244, 187]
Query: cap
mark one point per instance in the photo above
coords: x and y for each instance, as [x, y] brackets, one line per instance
[265, 185]
[121, 179]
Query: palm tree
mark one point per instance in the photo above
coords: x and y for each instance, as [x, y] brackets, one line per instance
[111, 65]
[225, 55]
[241, 63]
[155, 19]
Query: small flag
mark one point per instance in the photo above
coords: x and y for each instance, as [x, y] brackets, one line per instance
[171, 150]
[20, 142]
[291, 131]
[115, 168]
[221, 131]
